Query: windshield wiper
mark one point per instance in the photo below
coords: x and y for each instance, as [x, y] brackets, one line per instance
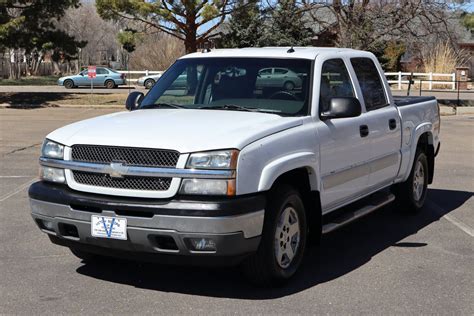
[163, 105]
[234, 107]
[228, 107]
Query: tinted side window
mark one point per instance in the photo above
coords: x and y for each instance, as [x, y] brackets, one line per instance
[335, 82]
[370, 83]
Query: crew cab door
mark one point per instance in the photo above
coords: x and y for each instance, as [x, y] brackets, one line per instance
[383, 123]
[344, 147]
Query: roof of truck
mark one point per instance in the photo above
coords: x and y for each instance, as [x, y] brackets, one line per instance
[272, 52]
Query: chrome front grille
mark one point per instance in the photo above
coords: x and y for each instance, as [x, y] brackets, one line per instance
[148, 157]
[128, 182]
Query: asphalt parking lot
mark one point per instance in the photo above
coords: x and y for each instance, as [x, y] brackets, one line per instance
[386, 263]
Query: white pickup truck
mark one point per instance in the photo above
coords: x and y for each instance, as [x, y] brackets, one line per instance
[235, 165]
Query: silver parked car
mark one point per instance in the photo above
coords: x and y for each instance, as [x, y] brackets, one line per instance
[105, 77]
[148, 81]
[278, 77]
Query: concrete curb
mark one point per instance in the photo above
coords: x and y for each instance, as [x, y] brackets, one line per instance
[462, 110]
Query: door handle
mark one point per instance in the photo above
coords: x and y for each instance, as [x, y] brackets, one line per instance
[364, 130]
[392, 124]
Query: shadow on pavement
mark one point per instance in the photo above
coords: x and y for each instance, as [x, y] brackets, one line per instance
[30, 100]
[340, 253]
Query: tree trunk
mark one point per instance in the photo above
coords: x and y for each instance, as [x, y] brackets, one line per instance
[190, 44]
[56, 70]
[15, 69]
[36, 64]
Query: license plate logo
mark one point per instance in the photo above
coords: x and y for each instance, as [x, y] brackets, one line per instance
[109, 227]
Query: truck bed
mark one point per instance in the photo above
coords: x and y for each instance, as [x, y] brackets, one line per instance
[408, 100]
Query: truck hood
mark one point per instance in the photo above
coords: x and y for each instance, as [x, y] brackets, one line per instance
[177, 129]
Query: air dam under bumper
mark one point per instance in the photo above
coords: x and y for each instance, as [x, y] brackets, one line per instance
[156, 230]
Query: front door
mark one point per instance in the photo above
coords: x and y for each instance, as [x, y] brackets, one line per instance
[344, 150]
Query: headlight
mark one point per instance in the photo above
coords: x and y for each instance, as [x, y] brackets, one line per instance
[51, 149]
[208, 187]
[221, 159]
[52, 174]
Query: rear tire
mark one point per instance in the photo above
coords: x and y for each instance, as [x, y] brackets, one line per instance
[289, 85]
[69, 84]
[283, 242]
[110, 84]
[149, 83]
[411, 194]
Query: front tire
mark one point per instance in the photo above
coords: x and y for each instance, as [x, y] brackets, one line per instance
[411, 194]
[283, 242]
[69, 84]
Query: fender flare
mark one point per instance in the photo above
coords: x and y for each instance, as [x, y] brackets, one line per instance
[281, 165]
[421, 129]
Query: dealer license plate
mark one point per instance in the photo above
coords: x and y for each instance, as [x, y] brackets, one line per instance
[109, 227]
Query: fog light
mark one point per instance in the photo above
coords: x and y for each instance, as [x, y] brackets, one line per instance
[52, 174]
[46, 225]
[208, 187]
[203, 244]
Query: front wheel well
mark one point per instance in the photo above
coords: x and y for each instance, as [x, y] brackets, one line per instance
[299, 179]
[425, 144]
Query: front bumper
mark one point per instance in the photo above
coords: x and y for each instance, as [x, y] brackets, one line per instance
[234, 225]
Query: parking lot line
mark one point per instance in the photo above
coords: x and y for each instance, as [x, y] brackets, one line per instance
[17, 190]
[465, 228]
[8, 177]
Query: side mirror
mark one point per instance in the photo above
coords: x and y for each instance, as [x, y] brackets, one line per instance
[342, 107]
[133, 100]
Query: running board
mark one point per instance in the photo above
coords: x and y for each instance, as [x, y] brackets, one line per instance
[345, 218]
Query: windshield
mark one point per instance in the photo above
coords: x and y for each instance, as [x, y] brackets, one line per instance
[279, 86]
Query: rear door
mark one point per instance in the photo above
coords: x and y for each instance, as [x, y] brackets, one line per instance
[383, 122]
[344, 151]
[101, 75]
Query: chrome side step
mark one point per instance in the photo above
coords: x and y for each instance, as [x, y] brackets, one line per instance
[345, 218]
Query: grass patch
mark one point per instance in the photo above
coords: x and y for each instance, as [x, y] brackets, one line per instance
[30, 81]
[44, 99]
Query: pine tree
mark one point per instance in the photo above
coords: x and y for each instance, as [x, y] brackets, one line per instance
[245, 28]
[286, 26]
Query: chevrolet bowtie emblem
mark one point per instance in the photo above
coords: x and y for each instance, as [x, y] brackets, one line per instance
[117, 170]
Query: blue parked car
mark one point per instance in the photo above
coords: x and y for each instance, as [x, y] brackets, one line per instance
[105, 77]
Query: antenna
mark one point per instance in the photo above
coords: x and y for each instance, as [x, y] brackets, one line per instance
[291, 50]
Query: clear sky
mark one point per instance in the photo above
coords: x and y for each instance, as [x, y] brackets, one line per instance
[470, 7]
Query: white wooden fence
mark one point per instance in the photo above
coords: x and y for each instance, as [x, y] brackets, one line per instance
[422, 78]
[401, 78]
[139, 72]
